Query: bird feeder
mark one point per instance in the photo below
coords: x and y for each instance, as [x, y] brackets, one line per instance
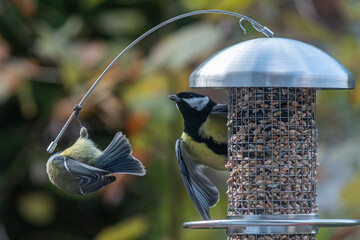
[272, 135]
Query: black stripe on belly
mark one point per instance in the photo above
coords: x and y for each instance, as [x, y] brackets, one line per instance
[218, 148]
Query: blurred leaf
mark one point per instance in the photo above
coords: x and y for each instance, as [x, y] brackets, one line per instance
[90, 53]
[13, 74]
[71, 28]
[137, 122]
[303, 28]
[199, 4]
[27, 102]
[232, 5]
[149, 99]
[351, 9]
[347, 51]
[88, 4]
[71, 71]
[111, 113]
[54, 43]
[188, 45]
[4, 50]
[132, 228]
[37, 208]
[120, 22]
[27, 7]
[151, 86]
[324, 233]
[213, 4]
[351, 196]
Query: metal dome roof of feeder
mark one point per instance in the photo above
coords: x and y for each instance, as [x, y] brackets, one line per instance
[272, 62]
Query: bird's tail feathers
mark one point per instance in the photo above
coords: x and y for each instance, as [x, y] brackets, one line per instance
[117, 158]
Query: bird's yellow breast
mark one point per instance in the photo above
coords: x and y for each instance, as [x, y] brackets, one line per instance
[215, 127]
[203, 154]
[83, 150]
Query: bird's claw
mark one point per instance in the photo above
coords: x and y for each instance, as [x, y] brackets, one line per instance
[77, 109]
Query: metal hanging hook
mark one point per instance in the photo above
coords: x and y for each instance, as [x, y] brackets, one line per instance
[264, 30]
[241, 26]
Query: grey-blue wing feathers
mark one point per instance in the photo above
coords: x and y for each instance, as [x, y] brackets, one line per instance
[117, 158]
[91, 178]
[202, 191]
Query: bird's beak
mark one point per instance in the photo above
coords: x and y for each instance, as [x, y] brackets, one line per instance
[175, 98]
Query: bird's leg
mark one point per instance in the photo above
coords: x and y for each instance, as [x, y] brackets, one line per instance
[77, 109]
[83, 130]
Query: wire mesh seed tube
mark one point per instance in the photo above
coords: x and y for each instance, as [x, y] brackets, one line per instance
[272, 154]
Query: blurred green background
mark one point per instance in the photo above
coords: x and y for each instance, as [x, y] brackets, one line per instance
[52, 51]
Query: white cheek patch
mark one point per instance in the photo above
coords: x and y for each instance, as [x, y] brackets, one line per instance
[197, 103]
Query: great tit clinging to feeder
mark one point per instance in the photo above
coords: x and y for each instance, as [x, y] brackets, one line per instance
[203, 142]
[83, 168]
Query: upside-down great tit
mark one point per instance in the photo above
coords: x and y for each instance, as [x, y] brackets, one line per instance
[203, 142]
[83, 168]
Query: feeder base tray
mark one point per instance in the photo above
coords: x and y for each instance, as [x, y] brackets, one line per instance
[269, 224]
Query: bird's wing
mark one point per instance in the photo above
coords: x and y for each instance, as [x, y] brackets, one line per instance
[202, 191]
[117, 158]
[91, 178]
[220, 109]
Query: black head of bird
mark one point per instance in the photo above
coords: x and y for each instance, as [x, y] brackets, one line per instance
[194, 108]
